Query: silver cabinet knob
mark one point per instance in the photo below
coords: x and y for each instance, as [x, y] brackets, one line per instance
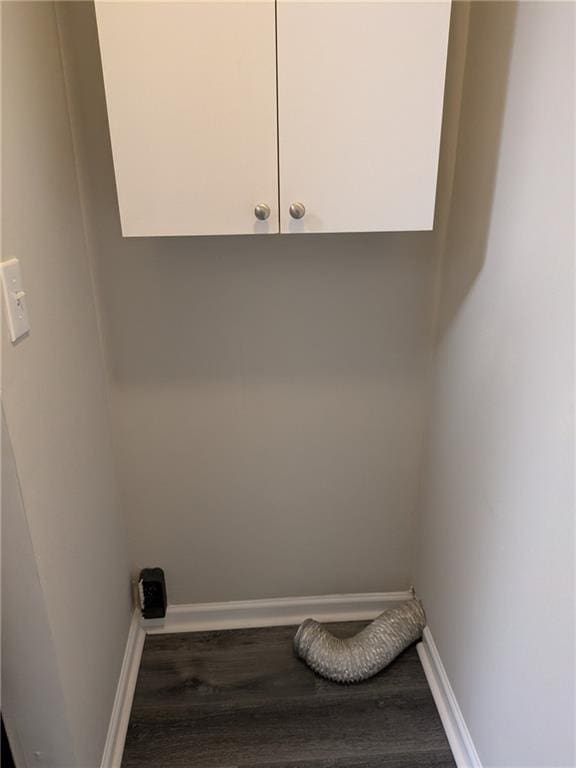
[262, 211]
[297, 210]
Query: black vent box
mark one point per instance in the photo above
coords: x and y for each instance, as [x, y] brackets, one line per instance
[152, 593]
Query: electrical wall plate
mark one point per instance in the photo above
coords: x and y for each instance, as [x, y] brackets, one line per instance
[14, 299]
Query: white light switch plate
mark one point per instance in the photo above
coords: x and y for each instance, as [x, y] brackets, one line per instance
[14, 298]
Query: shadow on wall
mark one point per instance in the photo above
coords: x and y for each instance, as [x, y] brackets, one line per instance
[317, 305]
[490, 43]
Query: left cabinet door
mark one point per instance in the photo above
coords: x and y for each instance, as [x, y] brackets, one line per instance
[191, 97]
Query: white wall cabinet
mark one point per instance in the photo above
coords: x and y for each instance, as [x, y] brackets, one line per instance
[326, 113]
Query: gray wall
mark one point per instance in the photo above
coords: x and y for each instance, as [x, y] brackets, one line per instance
[495, 562]
[268, 393]
[33, 705]
[65, 622]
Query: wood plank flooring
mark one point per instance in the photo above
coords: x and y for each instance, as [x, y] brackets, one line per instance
[241, 699]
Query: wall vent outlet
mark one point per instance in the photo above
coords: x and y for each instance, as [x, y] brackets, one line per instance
[152, 593]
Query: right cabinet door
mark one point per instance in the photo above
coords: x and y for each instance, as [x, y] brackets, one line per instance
[360, 93]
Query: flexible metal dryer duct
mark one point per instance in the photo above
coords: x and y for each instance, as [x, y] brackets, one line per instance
[351, 659]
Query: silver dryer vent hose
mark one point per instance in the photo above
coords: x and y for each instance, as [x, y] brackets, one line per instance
[348, 660]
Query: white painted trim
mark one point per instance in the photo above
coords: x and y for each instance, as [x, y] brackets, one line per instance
[274, 612]
[456, 729]
[114, 747]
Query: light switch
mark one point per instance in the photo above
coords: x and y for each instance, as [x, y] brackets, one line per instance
[14, 299]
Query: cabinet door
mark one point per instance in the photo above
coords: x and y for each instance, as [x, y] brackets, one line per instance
[191, 96]
[360, 91]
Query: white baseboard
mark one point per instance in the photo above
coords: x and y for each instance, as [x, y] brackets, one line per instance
[114, 747]
[457, 732]
[274, 612]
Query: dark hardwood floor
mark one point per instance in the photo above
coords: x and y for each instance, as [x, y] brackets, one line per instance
[241, 699]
